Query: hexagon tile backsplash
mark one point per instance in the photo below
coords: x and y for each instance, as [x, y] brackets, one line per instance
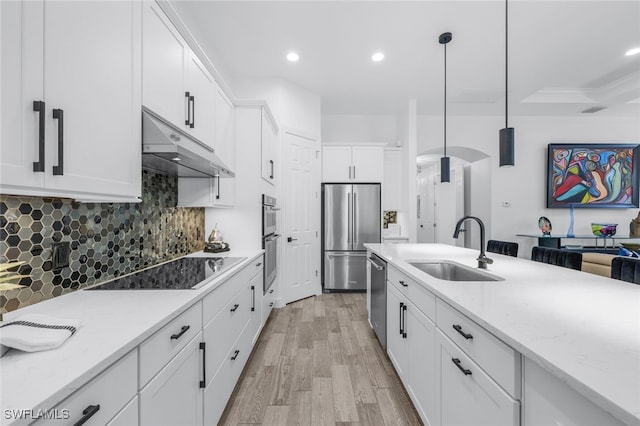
[106, 240]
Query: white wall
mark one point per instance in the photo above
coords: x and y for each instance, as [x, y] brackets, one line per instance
[524, 186]
[293, 106]
[359, 129]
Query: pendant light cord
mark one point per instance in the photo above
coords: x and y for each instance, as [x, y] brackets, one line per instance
[445, 100]
[506, 64]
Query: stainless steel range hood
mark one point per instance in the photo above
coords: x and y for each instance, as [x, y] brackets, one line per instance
[168, 150]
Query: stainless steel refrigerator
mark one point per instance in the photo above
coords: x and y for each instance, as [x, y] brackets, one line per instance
[350, 218]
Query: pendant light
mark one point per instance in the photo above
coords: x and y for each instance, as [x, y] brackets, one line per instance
[445, 170]
[507, 135]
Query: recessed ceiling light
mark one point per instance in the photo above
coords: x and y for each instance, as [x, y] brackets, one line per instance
[633, 51]
[377, 57]
[176, 159]
[292, 57]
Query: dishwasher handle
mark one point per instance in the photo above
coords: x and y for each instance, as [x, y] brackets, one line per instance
[375, 264]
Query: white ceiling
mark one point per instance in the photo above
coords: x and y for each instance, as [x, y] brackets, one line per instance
[564, 56]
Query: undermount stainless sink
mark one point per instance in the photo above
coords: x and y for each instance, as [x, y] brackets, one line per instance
[452, 271]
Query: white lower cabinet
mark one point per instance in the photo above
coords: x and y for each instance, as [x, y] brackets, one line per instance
[411, 348]
[468, 395]
[219, 390]
[396, 345]
[173, 396]
[98, 402]
[442, 375]
[421, 336]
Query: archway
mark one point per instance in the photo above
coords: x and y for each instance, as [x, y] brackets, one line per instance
[440, 205]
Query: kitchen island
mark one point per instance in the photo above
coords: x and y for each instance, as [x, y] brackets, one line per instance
[582, 330]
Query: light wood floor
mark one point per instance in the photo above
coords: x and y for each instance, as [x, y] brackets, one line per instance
[318, 362]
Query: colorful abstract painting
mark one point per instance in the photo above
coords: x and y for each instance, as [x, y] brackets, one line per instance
[592, 175]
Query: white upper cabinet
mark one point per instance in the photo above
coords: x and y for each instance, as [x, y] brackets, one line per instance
[352, 164]
[164, 57]
[201, 87]
[269, 147]
[71, 98]
[392, 184]
[176, 85]
[225, 129]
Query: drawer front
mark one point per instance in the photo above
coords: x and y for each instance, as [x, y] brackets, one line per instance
[468, 395]
[216, 300]
[104, 396]
[498, 359]
[416, 293]
[158, 349]
[219, 390]
[268, 301]
[222, 331]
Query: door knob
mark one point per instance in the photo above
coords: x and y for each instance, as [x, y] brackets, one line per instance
[289, 239]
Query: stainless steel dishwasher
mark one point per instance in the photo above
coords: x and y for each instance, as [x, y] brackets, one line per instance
[379, 297]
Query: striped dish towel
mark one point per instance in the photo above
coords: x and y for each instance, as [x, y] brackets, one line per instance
[35, 332]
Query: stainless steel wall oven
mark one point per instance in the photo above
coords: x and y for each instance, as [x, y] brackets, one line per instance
[269, 240]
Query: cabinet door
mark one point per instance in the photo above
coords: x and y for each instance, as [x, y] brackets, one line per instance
[225, 126]
[468, 395]
[128, 416]
[268, 147]
[421, 380]
[255, 294]
[396, 342]
[224, 192]
[174, 396]
[202, 97]
[336, 164]
[164, 56]
[21, 83]
[92, 75]
[368, 164]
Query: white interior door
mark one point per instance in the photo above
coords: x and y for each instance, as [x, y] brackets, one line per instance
[301, 219]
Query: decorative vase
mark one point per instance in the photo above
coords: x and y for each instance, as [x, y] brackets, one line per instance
[570, 233]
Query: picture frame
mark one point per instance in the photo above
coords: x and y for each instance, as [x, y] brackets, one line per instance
[593, 175]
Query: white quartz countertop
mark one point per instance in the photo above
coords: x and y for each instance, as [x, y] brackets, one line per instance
[581, 327]
[113, 323]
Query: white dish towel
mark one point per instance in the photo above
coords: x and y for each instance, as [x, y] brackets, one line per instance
[35, 332]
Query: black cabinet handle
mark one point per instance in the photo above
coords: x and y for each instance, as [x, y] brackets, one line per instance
[235, 307]
[182, 331]
[58, 114]
[458, 328]
[271, 291]
[401, 325]
[38, 106]
[188, 120]
[253, 298]
[235, 355]
[271, 305]
[404, 321]
[87, 413]
[456, 361]
[192, 99]
[271, 175]
[218, 188]
[258, 264]
[403, 284]
[289, 239]
[203, 348]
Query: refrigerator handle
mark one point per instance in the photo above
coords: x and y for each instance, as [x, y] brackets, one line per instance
[355, 216]
[349, 219]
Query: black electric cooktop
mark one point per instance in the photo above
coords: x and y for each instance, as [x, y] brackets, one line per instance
[179, 274]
